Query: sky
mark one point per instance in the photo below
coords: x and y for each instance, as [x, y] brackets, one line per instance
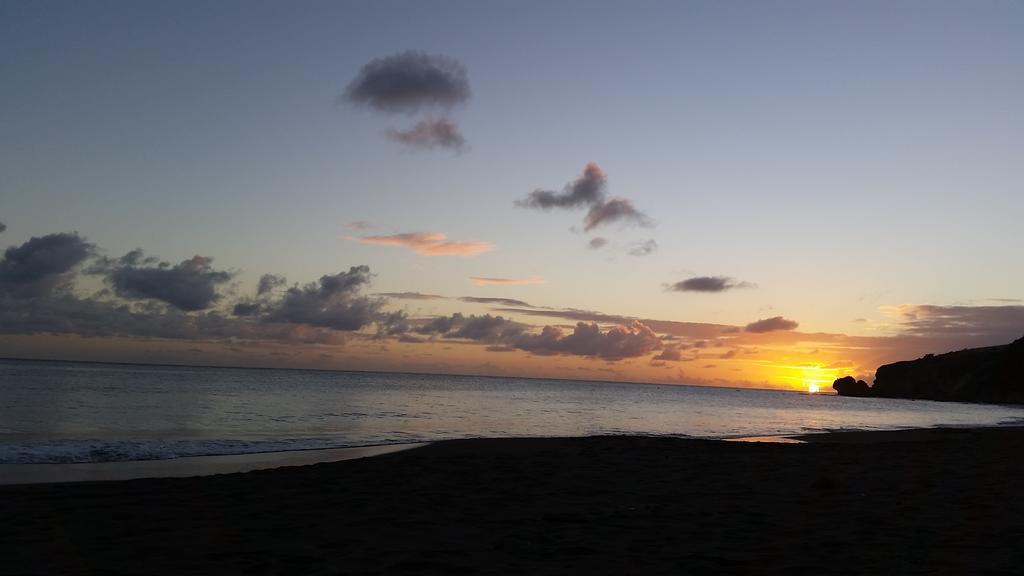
[765, 194]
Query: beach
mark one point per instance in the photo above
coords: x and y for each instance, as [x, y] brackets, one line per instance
[940, 501]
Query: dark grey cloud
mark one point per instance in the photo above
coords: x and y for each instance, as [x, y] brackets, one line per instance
[614, 210]
[42, 264]
[485, 328]
[270, 282]
[614, 344]
[441, 324]
[501, 301]
[972, 325]
[644, 248]
[412, 296]
[332, 302]
[392, 323]
[408, 82]
[488, 328]
[708, 284]
[95, 317]
[266, 288]
[597, 243]
[771, 325]
[430, 133]
[695, 330]
[587, 190]
[3, 227]
[153, 299]
[247, 308]
[190, 285]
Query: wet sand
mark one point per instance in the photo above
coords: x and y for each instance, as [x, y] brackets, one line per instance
[186, 467]
[915, 502]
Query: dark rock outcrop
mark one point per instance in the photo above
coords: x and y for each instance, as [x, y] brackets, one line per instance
[849, 386]
[994, 374]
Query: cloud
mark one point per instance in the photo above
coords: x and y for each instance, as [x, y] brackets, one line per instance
[672, 353]
[96, 317]
[268, 285]
[503, 334]
[429, 244]
[616, 343]
[441, 324]
[270, 282]
[359, 225]
[501, 301]
[488, 328]
[708, 284]
[597, 243]
[683, 329]
[190, 285]
[392, 323]
[3, 227]
[409, 81]
[586, 190]
[152, 299]
[614, 210]
[332, 302]
[644, 248]
[485, 328]
[412, 296]
[980, 325]
[247, 308]
[430, 133]
[771, 325]
[42, 264]
[485, 281]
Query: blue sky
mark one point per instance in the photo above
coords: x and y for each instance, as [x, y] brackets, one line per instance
[842, 156]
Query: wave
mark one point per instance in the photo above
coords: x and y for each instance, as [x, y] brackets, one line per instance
[93, 450]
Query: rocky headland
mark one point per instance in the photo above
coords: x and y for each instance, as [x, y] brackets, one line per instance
[994, 374]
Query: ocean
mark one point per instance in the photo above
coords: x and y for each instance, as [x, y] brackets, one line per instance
[66, 412]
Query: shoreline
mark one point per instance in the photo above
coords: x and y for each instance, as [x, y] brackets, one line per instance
[187, 466]
[923, 501]
[219, 464]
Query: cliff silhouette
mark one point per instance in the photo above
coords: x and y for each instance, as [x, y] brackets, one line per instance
[994, 374]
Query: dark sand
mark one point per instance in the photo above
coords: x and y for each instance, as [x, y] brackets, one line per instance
[187, 466]
[918, 502]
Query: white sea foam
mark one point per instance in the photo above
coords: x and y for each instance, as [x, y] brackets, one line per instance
[91, 450]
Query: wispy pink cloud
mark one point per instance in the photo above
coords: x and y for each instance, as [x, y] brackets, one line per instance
[431, 133]
[484, 281]
[429, 243]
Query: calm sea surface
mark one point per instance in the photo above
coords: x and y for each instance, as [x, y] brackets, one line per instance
[79, 412]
